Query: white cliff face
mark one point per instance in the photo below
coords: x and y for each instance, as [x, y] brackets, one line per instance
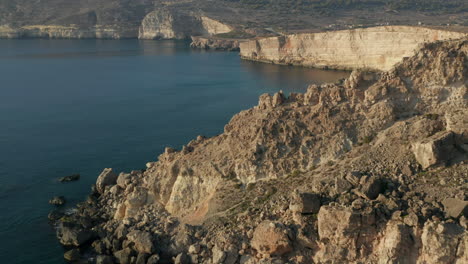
[213, 27]
[378, 48]
[159, 24]
[165, 24]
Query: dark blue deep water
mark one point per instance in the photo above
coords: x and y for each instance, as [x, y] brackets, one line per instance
[77, 106]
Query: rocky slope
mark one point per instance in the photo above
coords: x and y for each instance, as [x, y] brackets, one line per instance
[377, 48]
[370, 170]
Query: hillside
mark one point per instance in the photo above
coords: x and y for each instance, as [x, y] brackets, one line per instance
[256, 18]
[370, 170]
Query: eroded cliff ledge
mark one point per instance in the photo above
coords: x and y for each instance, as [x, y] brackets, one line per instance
[377, 48]
[371, 170]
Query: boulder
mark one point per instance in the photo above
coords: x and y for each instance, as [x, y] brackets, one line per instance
[57, 200]
[69, 178]
[123, 180]
[370, 187]
[72, 255]
[182, 258]
[123, 256]
[142, 240]
[271, 238]
[73, 236]
[342, 185]
[194, 249]
[141, 258]
[106, 178]
[331, 229]
[305, 203]
[397, 245]
[218, 255]
[153, 259]
[434, 150]
[104, 259]
[455, 207]
[55, 215]
[134, 201]
[440, 242]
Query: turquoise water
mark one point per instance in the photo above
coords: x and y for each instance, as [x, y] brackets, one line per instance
[77, 106]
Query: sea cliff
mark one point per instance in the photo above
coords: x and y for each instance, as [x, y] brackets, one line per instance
[158, 24]
[376, 48]
[370, 170]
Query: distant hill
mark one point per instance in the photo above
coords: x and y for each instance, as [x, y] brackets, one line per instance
[276, 15]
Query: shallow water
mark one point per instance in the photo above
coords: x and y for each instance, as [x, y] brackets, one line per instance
[77, 106]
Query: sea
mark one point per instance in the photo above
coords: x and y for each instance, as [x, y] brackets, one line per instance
[78, 106]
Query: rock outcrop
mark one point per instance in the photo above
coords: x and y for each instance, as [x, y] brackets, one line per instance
[168, 24]
[376, 48]
[212, 43]
[327, 176]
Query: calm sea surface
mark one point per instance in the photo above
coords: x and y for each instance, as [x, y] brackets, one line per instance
[77, 106]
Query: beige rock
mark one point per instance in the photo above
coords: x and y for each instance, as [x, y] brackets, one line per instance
[106, 178]
[271, 238]
[434, 150]
[305, 203]
[397, 245]
[455, 207]
[440, 242]
[143, 241]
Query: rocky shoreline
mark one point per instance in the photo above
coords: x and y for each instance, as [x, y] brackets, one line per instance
[370, 170]
[207, 43]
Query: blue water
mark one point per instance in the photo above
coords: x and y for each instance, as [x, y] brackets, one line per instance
[77, 106]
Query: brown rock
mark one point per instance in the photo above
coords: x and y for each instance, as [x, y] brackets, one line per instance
[434, 150]
[106, 178]
[271, 238]
[305, 203]
[143, 241]
[455, 207]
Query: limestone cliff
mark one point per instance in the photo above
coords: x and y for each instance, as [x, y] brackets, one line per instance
[377, 48]
[158, 24]
[168, 24]
[67, 32]
[370, 170]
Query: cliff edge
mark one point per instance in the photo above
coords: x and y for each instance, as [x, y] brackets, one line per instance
[375, 48]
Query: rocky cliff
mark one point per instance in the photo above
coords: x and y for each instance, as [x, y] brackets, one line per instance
[162, 23]
[370, 170]
[377, 48]
[213, 43]
[167, 24]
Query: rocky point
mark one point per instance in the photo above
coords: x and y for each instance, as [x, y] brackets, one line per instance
[369, 170]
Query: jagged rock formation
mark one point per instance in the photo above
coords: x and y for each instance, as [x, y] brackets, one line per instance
[333, 175]
[377, 48]
[166, 24]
